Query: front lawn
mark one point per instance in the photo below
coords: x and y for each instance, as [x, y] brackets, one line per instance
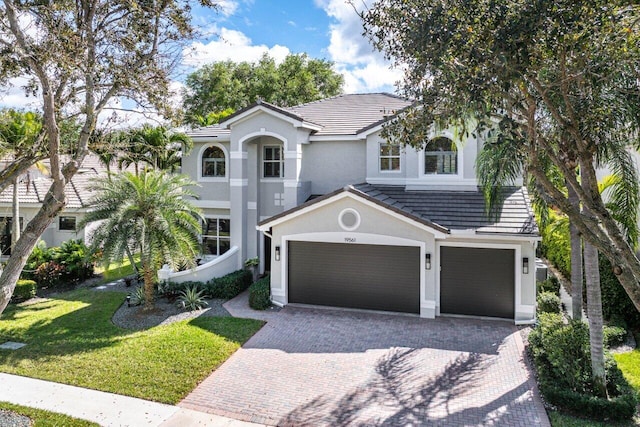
[629, 364]
[70, 339]
[42, 418]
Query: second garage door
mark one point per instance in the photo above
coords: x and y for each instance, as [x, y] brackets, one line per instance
[477, 281]
[372, 277]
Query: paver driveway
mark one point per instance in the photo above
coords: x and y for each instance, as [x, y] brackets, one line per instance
[330, 367]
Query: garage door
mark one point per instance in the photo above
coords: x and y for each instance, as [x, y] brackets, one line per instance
[369, 277]
[477, 281]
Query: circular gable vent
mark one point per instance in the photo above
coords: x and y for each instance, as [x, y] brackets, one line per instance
[349, 219]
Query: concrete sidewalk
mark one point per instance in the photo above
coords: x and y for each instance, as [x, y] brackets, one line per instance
[106, 409]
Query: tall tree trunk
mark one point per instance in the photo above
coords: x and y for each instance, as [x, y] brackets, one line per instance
[594, 314]
[53, 204]
[576, 261]
[15, 225]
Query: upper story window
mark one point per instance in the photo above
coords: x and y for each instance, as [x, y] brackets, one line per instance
[273, 162]
[389, 157]
[440, 157]
[213, 163]
[67, 223]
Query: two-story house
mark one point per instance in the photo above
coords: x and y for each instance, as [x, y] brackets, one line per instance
[340, 218]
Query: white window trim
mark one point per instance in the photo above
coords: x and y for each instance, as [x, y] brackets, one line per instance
[380, 157]
[224, 178]
[439, 177]
[262, 161]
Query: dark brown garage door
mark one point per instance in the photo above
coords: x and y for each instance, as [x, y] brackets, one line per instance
[370, 277]
[477, 281]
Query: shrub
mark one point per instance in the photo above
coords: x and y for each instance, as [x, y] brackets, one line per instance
[561, 355]
[50, 274]
[616, 304]
[172, 290]
[556, 245]
[77, 259]
[138, 296]
[614, 335]
[552, 284]
[24, 290]
[229, 286]
[191, 298]
[39, 255]
[259, 294]
[548, 302]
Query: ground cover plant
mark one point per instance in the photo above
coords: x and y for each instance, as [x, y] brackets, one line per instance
[71, 339]
[42, 418]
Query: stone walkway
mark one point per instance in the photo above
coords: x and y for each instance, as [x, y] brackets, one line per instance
[324, 367]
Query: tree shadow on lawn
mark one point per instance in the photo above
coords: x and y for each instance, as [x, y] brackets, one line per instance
[398, 395]
[65, 330]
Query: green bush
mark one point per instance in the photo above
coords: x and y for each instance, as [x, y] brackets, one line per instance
[172, 289]
[548, 302]
[614, 335]
[71, 262]
[616, 305]
[561, 355]
[191, 299]
[259, 294]
[556, 245]
[229, 286]
[24, 290]
[552, 284]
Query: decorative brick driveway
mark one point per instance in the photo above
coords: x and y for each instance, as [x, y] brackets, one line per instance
[320, 367]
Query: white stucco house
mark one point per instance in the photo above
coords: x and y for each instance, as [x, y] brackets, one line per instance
[340, 218]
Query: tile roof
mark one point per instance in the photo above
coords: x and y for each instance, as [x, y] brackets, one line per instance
[443, 210]
[460, 210]
[340, 115]
[350, 114]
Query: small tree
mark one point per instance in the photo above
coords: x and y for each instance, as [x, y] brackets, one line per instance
[146, 213]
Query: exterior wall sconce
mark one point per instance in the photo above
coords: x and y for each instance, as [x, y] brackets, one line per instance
[427, 261]
[277, 253]
[525, 265]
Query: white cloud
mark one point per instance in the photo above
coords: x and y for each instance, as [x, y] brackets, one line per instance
[13, 96]
[233, 45]
[227, 7]
[364, 69]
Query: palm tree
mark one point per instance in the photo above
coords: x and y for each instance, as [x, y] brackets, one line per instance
[148, 212]
[502, 160]
[156, 146]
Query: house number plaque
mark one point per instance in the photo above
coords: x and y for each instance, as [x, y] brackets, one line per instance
[349, 239]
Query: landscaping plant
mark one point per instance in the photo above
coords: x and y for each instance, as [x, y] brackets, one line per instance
[260, 293]
[192, 299]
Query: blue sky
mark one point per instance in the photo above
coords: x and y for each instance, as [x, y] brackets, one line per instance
[243, 30]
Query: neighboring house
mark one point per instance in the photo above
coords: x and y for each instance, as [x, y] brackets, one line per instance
[340, 218]
[32, 190]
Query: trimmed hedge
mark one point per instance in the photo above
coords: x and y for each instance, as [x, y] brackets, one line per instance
[259, 294]
[25, 289]
[561, 355]
[548, 302]
[229, 286]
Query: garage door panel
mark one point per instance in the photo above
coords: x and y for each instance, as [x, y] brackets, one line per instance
[477, 281]
[373, 277]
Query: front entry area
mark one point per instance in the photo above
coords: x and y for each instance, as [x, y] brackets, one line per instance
[477, 281]
[371, 277]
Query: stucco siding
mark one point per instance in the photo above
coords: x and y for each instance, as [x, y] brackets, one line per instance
[330, 165]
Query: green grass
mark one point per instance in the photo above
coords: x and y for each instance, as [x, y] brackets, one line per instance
[119, 270]
[561, 420]
[71, 340]
[629, 364]
[42, 418]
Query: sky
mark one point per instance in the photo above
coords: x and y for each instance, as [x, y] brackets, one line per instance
[243, 30]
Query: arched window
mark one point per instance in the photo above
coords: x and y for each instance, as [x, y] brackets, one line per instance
[213, 162]
[440, 157]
